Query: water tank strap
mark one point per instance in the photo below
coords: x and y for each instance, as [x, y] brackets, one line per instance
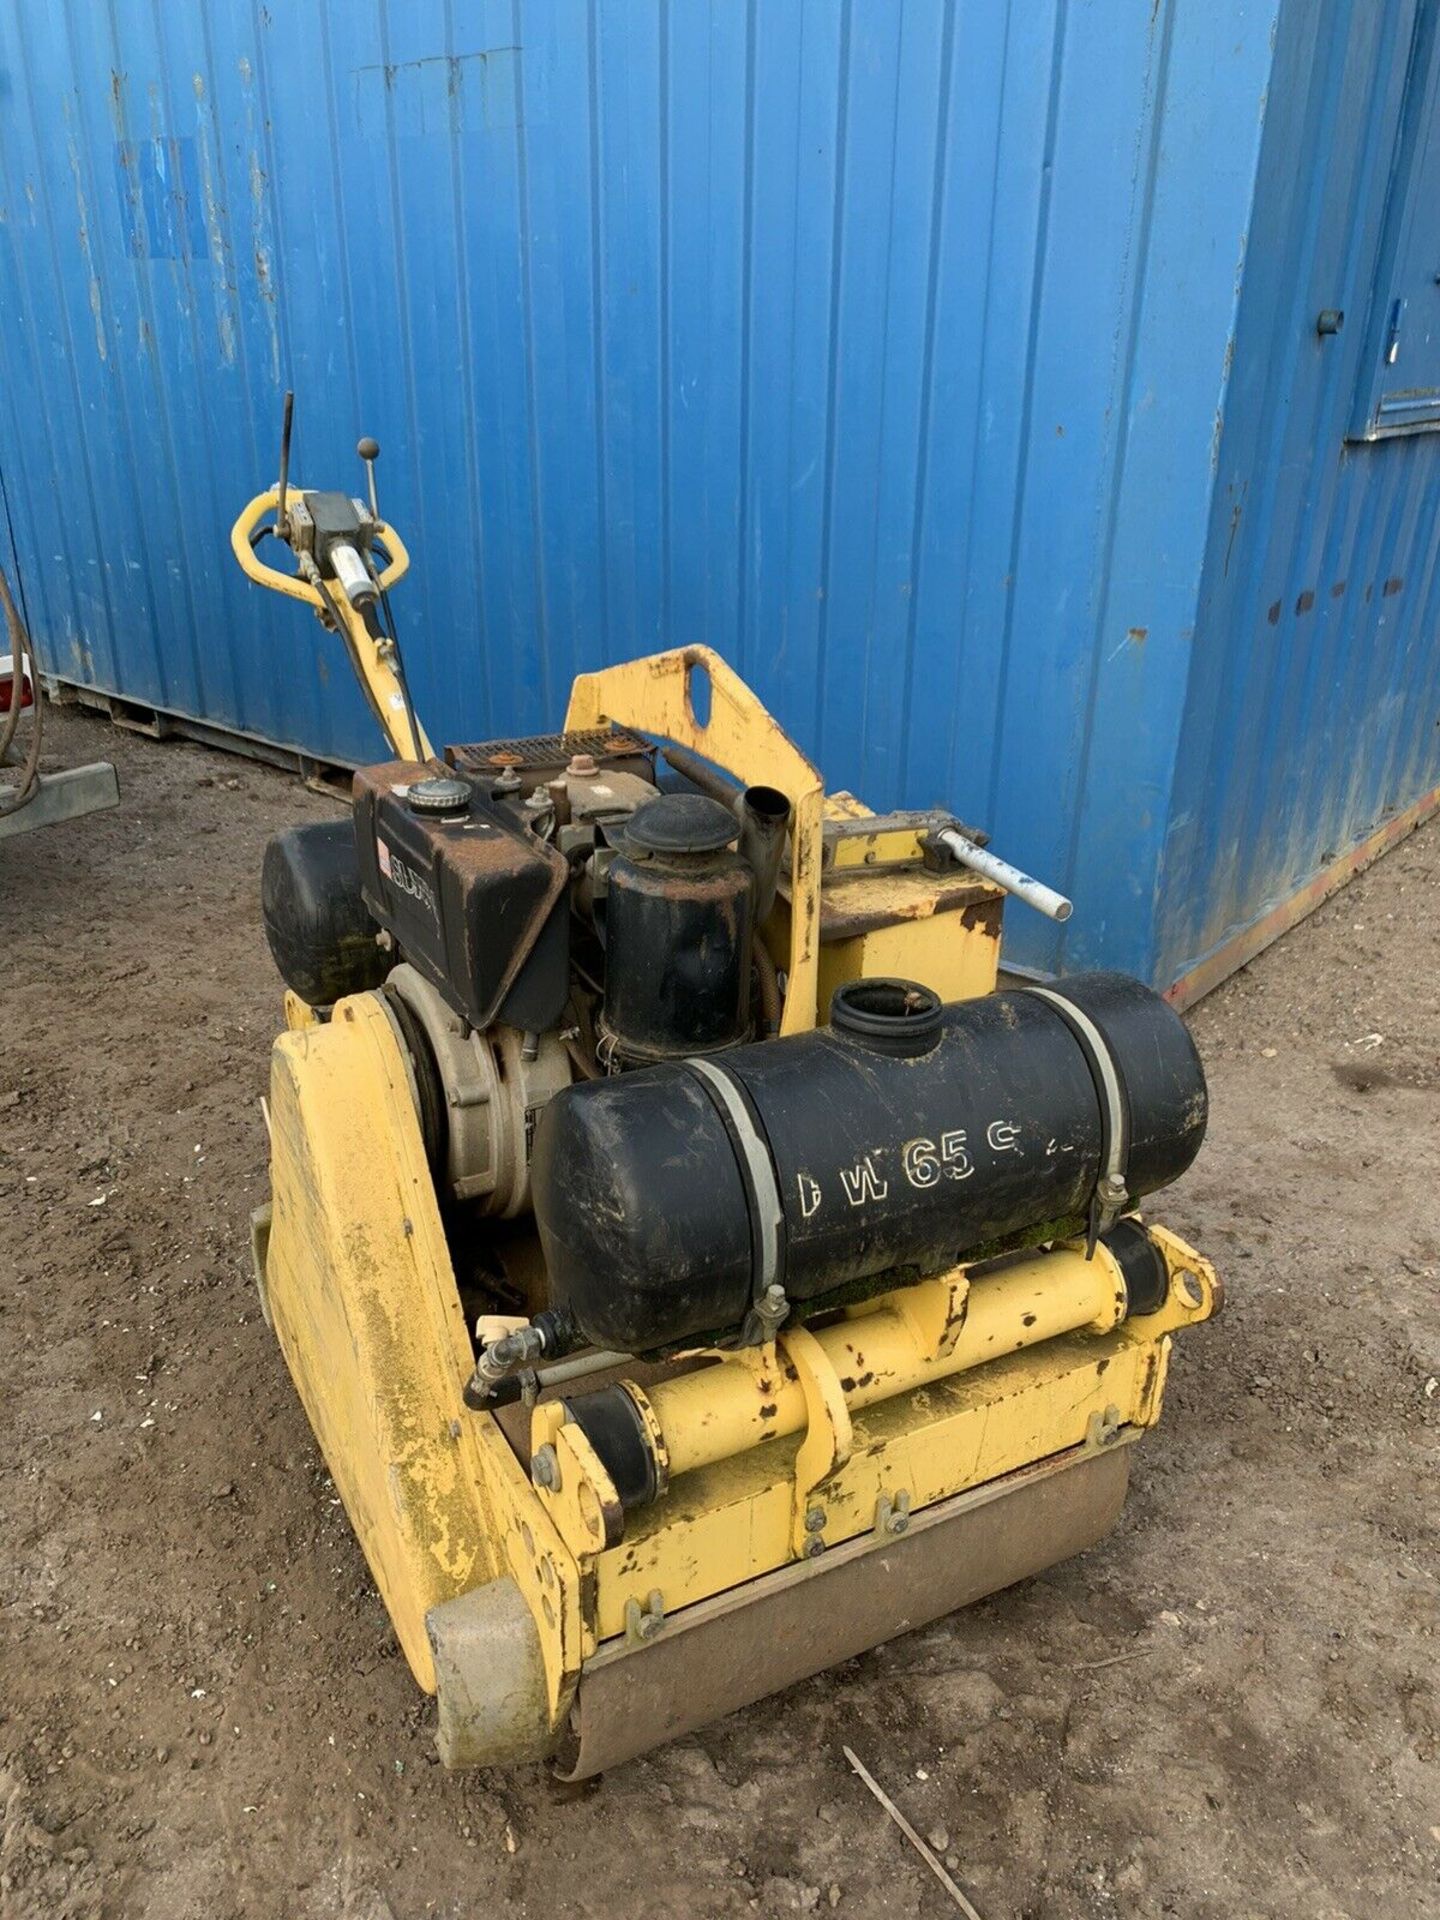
[1107, 1203]
[756, 1166]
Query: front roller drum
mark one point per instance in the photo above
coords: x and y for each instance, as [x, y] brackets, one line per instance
[725, 1653]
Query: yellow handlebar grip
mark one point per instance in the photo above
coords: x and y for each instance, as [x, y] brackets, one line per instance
[289, 583]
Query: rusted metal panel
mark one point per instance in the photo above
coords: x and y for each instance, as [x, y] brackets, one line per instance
[542, 758]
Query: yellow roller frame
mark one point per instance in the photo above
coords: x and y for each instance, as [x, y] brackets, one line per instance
[362, 1297]
[996, 1404]
[380, 681]
[884, 1347]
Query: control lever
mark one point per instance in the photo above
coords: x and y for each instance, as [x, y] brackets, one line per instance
[330, 535]
[369, 452]
[282, 526]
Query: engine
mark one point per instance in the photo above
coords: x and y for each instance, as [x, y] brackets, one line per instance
[535, 912]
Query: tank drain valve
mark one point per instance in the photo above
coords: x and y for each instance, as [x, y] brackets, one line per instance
[548, 1335]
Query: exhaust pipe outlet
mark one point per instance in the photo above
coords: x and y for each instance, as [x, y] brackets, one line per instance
[764, 816]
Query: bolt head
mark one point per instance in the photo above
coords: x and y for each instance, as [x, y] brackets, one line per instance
[545, 1469]
[899, 1522]
[813, 1546]
[815, 1520]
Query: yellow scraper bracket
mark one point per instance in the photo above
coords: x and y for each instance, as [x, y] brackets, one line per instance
[573, 1484]
[828, 1442]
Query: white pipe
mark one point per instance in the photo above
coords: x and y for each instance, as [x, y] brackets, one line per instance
[1033, 892]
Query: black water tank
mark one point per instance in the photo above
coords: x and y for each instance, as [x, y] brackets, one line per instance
[903, 1137]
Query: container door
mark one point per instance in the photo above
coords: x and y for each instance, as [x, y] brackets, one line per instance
[1401, 391]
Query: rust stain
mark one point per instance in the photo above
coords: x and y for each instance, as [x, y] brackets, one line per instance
[1274, 614]
[1338, 589]
[1304, 601]
[1147, 1379]
[215, 229]
[1393, 585]
[83, 229]
[1138, 635]
[982, 916]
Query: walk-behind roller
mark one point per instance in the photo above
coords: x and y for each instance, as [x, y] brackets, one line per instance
[694, 1270]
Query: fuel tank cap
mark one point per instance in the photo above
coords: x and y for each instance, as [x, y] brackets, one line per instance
[681, 823]
[440, 794]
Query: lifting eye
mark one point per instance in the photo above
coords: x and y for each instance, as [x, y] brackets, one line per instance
[697, 693]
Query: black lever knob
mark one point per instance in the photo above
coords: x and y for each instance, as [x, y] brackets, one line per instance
[369, 452]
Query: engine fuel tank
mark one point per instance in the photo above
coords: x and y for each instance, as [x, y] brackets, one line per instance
[476, 901]
[906, 1135]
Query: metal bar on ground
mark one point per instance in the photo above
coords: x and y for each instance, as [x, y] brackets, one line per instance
[62, 796]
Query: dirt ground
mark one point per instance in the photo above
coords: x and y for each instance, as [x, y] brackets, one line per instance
[1229, 1708]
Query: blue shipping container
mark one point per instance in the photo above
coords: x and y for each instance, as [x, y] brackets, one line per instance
[951, 366]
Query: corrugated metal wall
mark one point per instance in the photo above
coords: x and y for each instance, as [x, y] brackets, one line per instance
[880, 345]
[1314, 707]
